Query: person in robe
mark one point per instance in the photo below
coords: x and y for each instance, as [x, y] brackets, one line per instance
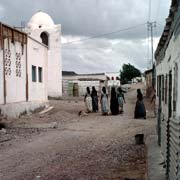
[114, 105]
[104, 102]
[88, 100]
[140, 111]
[121, 99]
[94, 97]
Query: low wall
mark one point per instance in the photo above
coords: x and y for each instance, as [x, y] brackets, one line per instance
[15, 110]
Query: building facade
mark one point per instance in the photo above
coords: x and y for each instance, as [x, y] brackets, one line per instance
[30, 66]
[167, 57]
[42, 28]
[113, 79]
[74, 85]
[149, 82]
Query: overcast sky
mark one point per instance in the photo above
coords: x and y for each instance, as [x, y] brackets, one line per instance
[81, 19]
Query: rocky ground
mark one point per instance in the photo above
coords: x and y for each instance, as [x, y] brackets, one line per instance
[60, 145]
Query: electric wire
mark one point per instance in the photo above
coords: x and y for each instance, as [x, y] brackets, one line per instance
[105, 34]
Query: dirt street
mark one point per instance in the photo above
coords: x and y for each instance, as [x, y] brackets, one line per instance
[92, 147]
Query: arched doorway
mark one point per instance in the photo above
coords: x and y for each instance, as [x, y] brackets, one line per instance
[44, 38]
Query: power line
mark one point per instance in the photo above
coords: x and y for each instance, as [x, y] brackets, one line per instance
[105, 34]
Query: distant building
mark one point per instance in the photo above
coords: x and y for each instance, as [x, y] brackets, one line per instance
[149, 82]
[167, 57]
[138, 79]
[74, 85]
[113, 79]
[30, 65]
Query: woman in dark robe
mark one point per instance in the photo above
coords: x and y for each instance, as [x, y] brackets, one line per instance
[140, 110]
[94, 99]
[114, 105]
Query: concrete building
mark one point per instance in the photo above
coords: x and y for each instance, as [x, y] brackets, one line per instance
[113, 79]
[167, 57]
[42, 28]
[149, 82]
[75, 84]
[30, 65]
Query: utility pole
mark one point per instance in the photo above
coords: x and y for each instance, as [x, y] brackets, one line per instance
[150, 26]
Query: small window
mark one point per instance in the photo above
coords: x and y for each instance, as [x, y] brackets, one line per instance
[40, 74]
[44, 38]
[33, 73]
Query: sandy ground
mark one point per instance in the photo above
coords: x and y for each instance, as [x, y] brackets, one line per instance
[92, 147]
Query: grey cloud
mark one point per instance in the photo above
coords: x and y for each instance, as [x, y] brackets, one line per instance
[87, 17]
[110, 58]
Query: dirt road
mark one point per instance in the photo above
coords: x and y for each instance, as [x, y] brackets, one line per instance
[93, 147]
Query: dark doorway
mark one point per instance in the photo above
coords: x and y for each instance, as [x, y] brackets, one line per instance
[44, 37]
[75, 90]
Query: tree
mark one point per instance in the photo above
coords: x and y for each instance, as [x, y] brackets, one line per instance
[128, 72]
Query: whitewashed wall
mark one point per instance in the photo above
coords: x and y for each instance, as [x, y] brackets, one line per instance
[84, 84]
[15, 83]
[37, 56]
[55, 63]
[54, 57]
[1, 78]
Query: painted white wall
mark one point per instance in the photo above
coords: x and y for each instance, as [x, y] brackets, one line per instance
[37, 56]
[54, 54]
[1, 78]
[84, 84]
[16, 86]
[14, 110]
[55, 64]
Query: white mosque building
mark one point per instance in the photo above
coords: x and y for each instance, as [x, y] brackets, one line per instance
[30, 65]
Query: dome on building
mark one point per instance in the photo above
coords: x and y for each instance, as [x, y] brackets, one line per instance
[41, 20]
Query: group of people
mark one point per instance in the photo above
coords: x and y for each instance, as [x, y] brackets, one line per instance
[117, 100]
